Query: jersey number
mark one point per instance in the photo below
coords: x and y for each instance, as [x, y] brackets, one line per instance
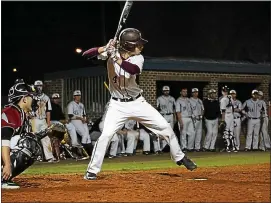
[115, 79]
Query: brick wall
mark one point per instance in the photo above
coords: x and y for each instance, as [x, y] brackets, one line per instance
[54, 86]
[147, 81]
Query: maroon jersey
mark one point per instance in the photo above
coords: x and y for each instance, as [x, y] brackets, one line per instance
[13, 119]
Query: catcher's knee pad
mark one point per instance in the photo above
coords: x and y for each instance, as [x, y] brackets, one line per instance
[24, 154]
[20, 161]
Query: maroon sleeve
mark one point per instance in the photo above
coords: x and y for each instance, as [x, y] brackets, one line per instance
[130, 68]
[91, 52]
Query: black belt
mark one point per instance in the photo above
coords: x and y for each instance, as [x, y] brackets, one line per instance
[237, 117]
[254, 118]
[166, 114]
[127, 99]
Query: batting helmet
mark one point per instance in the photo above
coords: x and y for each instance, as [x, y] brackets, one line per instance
[129, 38]
[20, 89]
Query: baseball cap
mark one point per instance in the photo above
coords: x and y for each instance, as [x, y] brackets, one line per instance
[232, 92]
[260, 93]
[255, 91]
[166, 88]
[55, 95]
[77, 93]
[38, 82]
[225, 89]
[211, 91]
[195, 90]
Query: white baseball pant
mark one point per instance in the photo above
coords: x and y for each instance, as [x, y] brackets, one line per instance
[196, 136]
[237, 132]
[114, 141]
[253, 127]
[187, 133]
[170, 119]
[145, 137]
[158, 143]
[130, 137]
[211, 135]
[265, 138]
[38, 125]
[144, 113]
[82, 129]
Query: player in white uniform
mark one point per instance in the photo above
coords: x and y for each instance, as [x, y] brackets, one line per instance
[185, 122]
[78, 117]
[166, 105]
[265, 138]
[226, 108]
[127, 102]
[42, 119]
[197, 114]
[252, 109]
[237, 106]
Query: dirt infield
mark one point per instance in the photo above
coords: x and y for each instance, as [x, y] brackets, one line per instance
[246, 183]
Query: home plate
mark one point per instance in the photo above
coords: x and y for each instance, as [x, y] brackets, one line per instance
[199, 179]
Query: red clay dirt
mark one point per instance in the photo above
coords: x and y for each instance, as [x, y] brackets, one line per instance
[246, 183]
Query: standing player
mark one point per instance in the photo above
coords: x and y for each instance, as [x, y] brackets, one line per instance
[226, 108]
[211, 114]
[197, 113]
[127, 102]
[184, 116]
[78, 117]
[265, 138]
[252, 109]
[166, 106]
[237, 106]
[42, 119]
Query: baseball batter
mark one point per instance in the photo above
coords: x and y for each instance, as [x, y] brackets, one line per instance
[226, 108]
[77, 115]
[186, 124]
[252, 109]
[42, 119]
[166, 106]
[237, 107]
[127, 102]
[197, 113]
[265, 138]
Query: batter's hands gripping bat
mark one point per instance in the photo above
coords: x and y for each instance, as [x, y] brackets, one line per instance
[124, 15]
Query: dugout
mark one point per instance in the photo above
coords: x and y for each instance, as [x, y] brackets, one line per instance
[204, 74]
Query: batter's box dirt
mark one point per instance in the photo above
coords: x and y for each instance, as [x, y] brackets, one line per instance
[247, 183]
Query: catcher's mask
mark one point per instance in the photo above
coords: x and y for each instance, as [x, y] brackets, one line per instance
[130, 38]
[20, 89]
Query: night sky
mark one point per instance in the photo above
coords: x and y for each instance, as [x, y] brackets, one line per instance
[40, 37]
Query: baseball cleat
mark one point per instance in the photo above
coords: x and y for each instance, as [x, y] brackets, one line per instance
[9, 185]
[90, 176]
[188, 163]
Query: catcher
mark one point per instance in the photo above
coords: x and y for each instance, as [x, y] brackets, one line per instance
[16, 131]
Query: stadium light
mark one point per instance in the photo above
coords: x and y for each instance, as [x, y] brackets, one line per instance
[78, 50]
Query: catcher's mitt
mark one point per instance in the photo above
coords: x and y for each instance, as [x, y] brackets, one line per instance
[222, 126]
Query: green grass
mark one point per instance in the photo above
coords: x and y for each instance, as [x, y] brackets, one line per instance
[140, 162]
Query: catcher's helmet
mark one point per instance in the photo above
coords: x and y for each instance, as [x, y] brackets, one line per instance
[225, 89]
[129, 38]
[20, 89]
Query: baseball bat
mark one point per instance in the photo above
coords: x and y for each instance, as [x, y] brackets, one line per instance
[124, 15]
[106, 86]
